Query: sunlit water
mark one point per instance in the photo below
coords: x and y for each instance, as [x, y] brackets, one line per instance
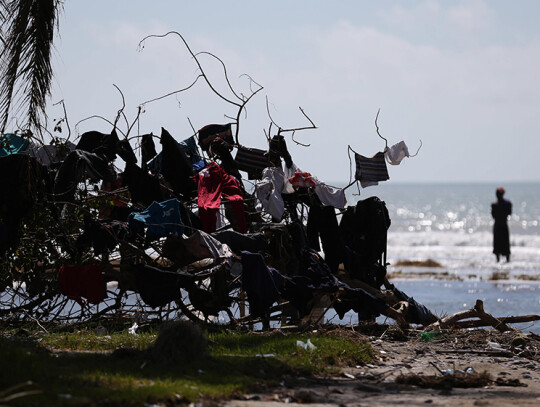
[452, 225]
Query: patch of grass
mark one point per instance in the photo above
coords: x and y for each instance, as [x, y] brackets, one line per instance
[94, 373]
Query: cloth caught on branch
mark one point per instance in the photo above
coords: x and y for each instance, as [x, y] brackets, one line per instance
[251, 160]
[212, 132]
[213, 184]
[77, 282]
[12, 144]
[396, 153]
[160, 219]
[369, 171]
[269, 190]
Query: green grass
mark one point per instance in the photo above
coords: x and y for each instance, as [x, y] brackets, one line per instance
[94, 374]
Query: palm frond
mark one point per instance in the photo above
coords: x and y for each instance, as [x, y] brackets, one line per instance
[25, 70]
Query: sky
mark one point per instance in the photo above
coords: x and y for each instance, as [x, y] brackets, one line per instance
[461, 76]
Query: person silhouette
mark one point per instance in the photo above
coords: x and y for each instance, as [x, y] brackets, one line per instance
[500, 211]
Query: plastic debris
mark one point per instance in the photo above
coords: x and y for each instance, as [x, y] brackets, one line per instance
[429, 336]
[306, 345]
[133, 329]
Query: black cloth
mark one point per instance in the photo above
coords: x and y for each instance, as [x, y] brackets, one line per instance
[260, 283]
[322, 222]
[370, 273]
[220, 148]
[212, 132]
[418, 313]
[238, 242]
[103, 237]
[176, 166]
[143, 187]
[157, 286]
[148, 149]
[23, 181]
[99, 143]
[500, 211]
[216, 298]
[277, 150]
[78, 166]
[364, 229]
[125, 152]
[251, 160]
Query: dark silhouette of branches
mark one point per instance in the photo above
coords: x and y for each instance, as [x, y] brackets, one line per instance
[241, 100]
[26, 71]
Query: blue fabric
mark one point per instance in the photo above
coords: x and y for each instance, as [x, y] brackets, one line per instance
[12, 144]
[160, 219]
[191, 146]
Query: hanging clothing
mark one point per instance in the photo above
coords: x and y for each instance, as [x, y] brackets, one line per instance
[251, 160]
[396, 153]
[190, 148]
[78, 166]
[143, 188]
[369, 171]
[277, 150]
[260, 282]
[213, 184]
[159, 286]
[77, 282]
[198, 246]
[12, 144]
[160, 219]
[99, 143]
[176, 166]
[148, 149]
[302, 180]
[50, 154]
[212, 132]
[124, 150]
[331, 196]
[269, 190]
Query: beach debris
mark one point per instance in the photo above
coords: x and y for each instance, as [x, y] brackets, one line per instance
[484, 319]
[306, 345]
[429, 336]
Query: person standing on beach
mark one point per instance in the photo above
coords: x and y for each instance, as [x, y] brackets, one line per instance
[500, 211]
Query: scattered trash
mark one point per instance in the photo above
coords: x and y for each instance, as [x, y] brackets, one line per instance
[495, 346]
[429, 336]
[469, 370]
[133, 329]
[349, 376]
[265, 355]
[306, 345]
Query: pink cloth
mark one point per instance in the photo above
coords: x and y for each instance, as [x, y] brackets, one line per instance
[213, 184]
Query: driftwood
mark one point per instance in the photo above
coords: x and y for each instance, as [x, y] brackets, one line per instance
[477, 312]
[507, 320]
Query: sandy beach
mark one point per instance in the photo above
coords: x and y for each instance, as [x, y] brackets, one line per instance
[510, 361]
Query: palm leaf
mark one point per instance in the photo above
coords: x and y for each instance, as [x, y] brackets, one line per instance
[25, 70]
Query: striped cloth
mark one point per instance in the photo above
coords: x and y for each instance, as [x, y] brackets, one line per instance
[251, 160]
[369, 171]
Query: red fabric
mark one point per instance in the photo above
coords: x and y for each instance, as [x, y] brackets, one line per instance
[302, 179]
[82, 281]
[213, 184]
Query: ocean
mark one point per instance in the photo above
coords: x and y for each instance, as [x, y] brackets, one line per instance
[452, 225]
